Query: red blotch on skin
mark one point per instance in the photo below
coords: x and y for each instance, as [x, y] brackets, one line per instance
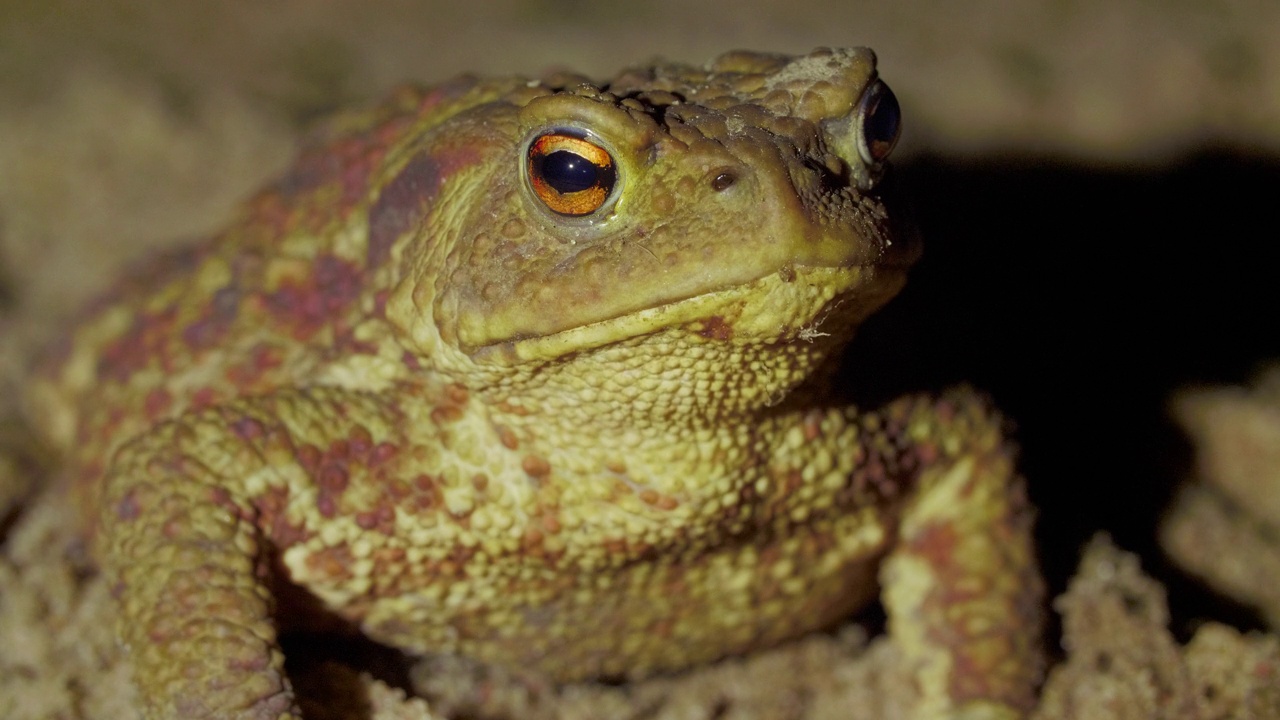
[215, 320]
[507, 437]
[402, 206]
[248, 429]
[381, 519]
[270, 211]
[221, 497]
[715, 328]
[936, 544]
[354, 179]
[427, 494]
[327, 506]
[551, 524]
[305, 305]
[313, 169]
[812, 426]
[145, 340]
[309, 457]
[927, 453]
[407, 198]
[535, 466]
[157, 402]
[174, 528]
[446, 414]
[263, 358]
[204, 397]
[253, 662]
[383, 452]
[532, 540]
[457, 394]
[519, 410]
[976, 654]
[397, 490]
[461, 555]
[271, 507]
[345, 344]
[443, 92]
[342, 163]
[333, 479]
[331, 468]
[332, 562]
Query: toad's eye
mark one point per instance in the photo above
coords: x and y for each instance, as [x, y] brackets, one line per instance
[569, 174]
[879, 122]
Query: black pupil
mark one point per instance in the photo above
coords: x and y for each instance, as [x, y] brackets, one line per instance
[568, 172]
[882, 123]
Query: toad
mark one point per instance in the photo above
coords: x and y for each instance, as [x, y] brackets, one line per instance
[542, 373]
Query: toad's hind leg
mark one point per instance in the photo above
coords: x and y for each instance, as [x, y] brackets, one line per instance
[194, 614]
[961, 588]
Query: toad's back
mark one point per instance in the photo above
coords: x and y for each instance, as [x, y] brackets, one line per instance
[292, 293]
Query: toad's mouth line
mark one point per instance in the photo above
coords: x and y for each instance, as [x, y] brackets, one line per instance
[773, 308]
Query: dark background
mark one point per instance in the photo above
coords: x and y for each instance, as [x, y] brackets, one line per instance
[1081, 299]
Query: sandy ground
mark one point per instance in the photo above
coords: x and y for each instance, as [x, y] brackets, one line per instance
[1094, 180]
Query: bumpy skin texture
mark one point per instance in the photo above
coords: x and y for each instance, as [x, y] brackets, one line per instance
[402, 392]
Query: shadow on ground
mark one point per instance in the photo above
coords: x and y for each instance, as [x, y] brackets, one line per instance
[1080, 299]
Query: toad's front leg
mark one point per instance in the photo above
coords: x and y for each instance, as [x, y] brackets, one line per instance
[191, 515]
[181, 554]
[961, 588]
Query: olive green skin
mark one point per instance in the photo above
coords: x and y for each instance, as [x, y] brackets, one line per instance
[403, 391]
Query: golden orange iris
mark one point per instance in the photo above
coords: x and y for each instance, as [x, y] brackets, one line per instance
[559, 196]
